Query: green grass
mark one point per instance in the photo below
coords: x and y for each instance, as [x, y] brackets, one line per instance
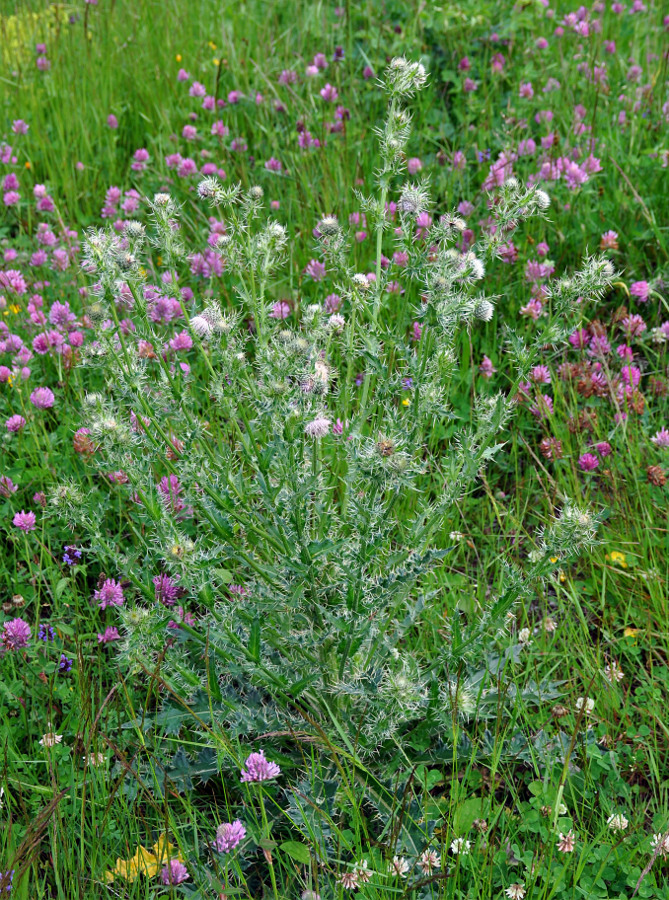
[65, 822]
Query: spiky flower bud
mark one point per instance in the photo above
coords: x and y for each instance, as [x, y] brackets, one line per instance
[200, 326]
[542, 198]
[484, 310]
[413, 200]
[361, 281]
[329, 226]
[318, 428]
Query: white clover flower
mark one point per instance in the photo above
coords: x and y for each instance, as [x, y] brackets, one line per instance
[617, 822]
[613, 672]
[586, 703]
[524, 636]
[399, 866]
[515, 891]
[460, 846]
[660, 844]
[428, 861]
[336, 323]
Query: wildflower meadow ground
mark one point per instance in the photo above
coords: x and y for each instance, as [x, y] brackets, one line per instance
[334, 446]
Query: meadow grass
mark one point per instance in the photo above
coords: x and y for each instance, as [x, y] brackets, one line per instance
[153, 736]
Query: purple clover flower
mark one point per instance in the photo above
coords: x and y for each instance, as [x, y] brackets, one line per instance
[15, 634]
[174, 873]
[25, 521]
[229, 835]
[110, 594]
[258, 768]
[166, 589]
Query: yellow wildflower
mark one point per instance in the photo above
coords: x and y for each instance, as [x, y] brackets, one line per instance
[178, 57]
[618, 558]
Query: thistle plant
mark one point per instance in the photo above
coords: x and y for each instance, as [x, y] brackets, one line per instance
[287, 515]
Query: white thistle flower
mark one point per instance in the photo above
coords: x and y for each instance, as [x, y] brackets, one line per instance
[200, 326]
[318, 428]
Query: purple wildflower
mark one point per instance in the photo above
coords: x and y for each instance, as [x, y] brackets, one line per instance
[15, 634]
[486, 368]
[640, 290]
[166, 589]
[71, 555]
[15, 424]
[42, 398]
[108, 635]
[174, 873]
[46, 633]
[25, 521]
[7, 486]
[588, 462]
[661, 438]
[315, 270]
[110, 594]
[259, 769]
[64, 664]
[229, 835]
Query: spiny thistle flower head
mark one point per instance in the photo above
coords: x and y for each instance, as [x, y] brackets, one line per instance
[360, 281]
[484, 310]
[404, 78]
[318, 427]
[329, 226]
[135, 230]
[211, 189]
[163, 202]
[413, 200]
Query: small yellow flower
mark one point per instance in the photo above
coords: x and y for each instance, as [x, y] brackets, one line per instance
[15, 308]
[554, 559]
[618, 558]
[406, 401]
[212, 45]
[216, 62]
[159, 260]
[631, 632]
[562, 577]
[178, 57]
[28, 164]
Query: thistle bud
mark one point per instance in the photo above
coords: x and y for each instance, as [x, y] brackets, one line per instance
[200, 326]
[484, 310]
